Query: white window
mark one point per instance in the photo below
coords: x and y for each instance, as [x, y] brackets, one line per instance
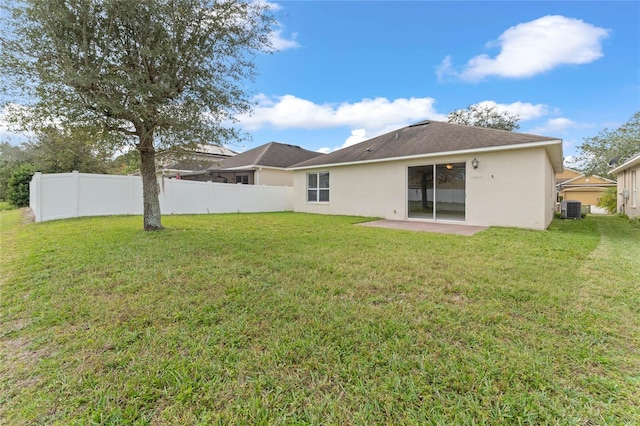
[634, 189]
[318, 187]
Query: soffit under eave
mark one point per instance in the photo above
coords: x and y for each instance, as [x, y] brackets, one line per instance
[554, 151]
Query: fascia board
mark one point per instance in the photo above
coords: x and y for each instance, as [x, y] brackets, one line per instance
[634, 161]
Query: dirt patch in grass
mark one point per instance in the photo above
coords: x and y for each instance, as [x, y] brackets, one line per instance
[27, 215]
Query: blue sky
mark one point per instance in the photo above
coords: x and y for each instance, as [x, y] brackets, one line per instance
[351, 70]
[347, 71]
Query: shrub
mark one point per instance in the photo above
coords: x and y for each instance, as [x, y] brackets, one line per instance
[609, 200]
[18, 191]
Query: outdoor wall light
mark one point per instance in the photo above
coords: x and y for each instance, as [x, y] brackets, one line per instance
[475, 163]
[449, 166]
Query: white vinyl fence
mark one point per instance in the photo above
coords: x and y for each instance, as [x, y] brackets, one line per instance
[65, 195]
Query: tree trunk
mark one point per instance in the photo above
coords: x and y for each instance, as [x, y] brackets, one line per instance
[150, 187]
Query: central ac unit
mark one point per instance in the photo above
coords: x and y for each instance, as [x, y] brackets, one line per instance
[571, 209]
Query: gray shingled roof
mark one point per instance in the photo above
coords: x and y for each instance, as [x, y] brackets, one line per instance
[272, 154]
[424, 138]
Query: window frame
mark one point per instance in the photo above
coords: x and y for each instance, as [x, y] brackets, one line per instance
[318, 189]
[242, 178]
[634, 188]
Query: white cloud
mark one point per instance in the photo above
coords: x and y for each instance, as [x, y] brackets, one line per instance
[277, 39]
[357, 136]
[279, 43]
[557, 126]
[366, 118]
[289, 112]
[560, 124]
[534, 47]
[570, 160]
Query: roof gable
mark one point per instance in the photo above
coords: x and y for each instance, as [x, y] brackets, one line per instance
[430, 138]
[272, 154]
[567, 174]
[579, 178]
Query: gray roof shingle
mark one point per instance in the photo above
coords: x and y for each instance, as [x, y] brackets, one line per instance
[424, 138]
[272, 154]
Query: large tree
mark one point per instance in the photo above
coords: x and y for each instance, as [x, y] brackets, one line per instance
[600, 153]
[485, 116]
[149, 73]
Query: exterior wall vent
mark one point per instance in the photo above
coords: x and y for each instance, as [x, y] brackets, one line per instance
[571, 209]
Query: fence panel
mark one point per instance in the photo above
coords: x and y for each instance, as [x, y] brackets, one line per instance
[66, 195]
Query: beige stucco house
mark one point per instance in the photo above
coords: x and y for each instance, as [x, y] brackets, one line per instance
[576, 186]
[263, 165]
[628, 182]
[435, 171]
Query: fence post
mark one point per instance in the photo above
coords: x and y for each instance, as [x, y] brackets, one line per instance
[35, 196]
[75, 190]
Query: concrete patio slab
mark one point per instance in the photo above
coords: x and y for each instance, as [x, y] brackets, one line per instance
[437, 227]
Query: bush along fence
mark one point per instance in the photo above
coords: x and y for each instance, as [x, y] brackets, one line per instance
[66, 195]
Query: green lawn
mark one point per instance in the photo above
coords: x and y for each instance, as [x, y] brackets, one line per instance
[5, 205]
[301, 319]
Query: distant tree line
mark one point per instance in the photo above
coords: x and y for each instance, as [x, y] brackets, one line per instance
[53, 150]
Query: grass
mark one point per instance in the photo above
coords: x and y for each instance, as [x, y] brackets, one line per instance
[302, 319]
[5, 205]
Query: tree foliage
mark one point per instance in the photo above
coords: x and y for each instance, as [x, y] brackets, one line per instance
[126, 163]
[148, 73]
[18, 186]
[600, 153]
[11, 157]
[485, 116]
[54, 150]
[64, 150]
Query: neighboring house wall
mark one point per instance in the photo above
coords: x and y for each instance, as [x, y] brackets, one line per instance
[628, 188]
[507, 189]
[586, 196]
[628, 175]
[550, 191]
[274, 177]
[575, 186]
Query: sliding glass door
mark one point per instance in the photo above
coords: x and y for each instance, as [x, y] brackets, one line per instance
[437, 191]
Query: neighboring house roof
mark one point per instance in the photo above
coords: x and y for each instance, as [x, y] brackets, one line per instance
[580, 179]
[272, 154]
[429, 138]
[632, 162]
[215, 150]
[180, 160]
[189, 165]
